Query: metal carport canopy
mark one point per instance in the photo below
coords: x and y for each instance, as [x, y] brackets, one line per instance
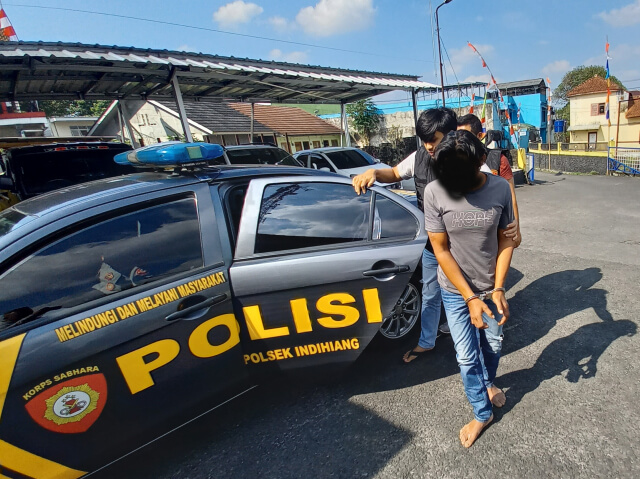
[74, 71]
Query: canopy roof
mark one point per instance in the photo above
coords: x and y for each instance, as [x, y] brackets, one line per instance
[72, 71]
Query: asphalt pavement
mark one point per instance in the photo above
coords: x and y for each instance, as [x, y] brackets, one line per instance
[570, 369]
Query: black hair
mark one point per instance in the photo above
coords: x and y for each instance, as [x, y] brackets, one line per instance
[458, 159]
[434, 120]
[471, 120]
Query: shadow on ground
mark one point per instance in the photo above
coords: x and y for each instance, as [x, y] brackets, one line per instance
[575, 356]
[291, 427]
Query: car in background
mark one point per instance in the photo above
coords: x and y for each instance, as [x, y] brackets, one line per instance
[132, 305]
[345, 161]
[29, 171]
[259, 154]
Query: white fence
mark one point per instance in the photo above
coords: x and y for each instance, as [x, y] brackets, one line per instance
[625, 160]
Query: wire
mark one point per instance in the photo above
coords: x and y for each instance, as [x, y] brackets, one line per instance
[447, 53]
[207, 29]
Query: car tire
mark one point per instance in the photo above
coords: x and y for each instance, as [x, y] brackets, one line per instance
[405, 316]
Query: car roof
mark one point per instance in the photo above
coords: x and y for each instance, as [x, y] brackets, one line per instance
[250, 147]
[102, 191]
[327, 149]
[25, 150]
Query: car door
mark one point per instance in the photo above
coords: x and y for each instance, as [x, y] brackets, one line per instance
[137, 334]
[317, 268]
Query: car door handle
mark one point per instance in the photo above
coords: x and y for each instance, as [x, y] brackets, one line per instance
[197, 307]
[386, 271]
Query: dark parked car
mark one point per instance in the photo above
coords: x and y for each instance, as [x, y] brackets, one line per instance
[131, 305]
[259, 154]
[32, 170]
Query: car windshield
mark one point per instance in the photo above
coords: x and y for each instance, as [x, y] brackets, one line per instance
[347, 159]
[256, 156]
[43, 172]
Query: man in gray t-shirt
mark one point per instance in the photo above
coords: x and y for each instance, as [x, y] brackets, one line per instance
[466, 214]
[472, 223]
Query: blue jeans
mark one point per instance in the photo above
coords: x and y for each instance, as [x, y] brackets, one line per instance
[431, 301]
[477, 351]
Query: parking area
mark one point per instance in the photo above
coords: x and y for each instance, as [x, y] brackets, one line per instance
[571, 371]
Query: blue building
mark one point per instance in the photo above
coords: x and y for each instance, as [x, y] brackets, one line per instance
[527, 96]
[530, 98]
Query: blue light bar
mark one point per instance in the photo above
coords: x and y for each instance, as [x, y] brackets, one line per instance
[171, 154]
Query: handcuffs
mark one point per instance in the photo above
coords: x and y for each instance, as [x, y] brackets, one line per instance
[483, 296]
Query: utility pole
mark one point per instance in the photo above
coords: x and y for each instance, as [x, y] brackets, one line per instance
[440, 48]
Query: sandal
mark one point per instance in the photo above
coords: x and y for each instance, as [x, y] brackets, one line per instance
[417, 354]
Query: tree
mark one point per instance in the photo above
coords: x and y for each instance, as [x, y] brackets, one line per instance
[53, 108]
[576, 77]
[365, 117]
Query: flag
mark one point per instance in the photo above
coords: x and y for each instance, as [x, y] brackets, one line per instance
[7, 33]
[473, 100]
[608, 78]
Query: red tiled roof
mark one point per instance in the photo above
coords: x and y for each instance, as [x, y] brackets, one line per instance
[596, 84]
[634, 105]
[289, 120]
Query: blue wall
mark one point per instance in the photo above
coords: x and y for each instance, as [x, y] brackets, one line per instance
[531, 110]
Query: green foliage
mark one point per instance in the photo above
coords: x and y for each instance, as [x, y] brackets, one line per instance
[365, 118]
[578, 76]
[54, 108]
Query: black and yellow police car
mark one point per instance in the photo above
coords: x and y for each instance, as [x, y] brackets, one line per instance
[130, 305]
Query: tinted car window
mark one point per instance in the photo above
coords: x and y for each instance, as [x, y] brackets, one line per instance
[43, 172]
[291, 161]
[318, 163]
[304, 215]
[346, 159]
[111, 256]
[256, 156]
[392, 221]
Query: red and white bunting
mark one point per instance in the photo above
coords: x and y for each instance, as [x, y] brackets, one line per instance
[7, 33]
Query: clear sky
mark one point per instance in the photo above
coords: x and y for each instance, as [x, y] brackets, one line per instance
[519, 39]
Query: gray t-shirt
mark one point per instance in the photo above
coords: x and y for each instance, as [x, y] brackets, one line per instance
[472, 223]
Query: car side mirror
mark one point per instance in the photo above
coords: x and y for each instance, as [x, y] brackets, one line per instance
[6, 183]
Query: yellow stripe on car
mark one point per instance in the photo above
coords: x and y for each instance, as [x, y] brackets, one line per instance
[12, 457]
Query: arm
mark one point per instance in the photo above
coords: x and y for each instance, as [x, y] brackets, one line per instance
[503, 262]
[518, 237]
[440, 244]
[365, 180]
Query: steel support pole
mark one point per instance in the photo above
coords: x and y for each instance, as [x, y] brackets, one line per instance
[181, 111]
[127, 124]
[414, 101]
[345, 126]
[253, 115]
[342, 124]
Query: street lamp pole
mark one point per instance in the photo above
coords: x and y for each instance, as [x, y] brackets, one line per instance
[440, 48]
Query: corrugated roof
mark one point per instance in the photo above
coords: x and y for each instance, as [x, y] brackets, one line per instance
[42, 70]
[290, 120]
[595, 84]
[218, 117]
[536, 82]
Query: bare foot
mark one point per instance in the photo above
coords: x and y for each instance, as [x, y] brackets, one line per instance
[470, 432]
[496, 396]
[414, 354]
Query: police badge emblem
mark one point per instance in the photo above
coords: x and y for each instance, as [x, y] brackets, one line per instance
[71, 406]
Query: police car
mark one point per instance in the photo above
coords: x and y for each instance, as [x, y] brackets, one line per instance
[130, 305]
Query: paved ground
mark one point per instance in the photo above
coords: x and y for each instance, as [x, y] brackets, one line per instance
[571, 370]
